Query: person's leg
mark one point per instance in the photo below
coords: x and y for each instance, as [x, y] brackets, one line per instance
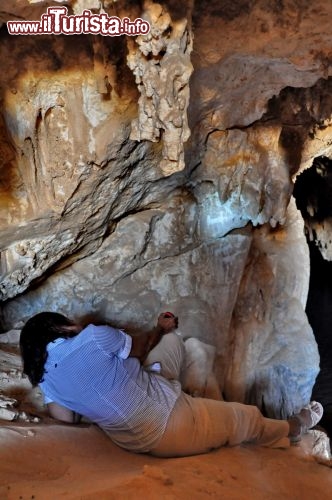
[198, 378]
[170, 353]
[199, 425]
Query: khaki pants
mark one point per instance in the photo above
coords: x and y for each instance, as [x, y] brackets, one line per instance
[198, 425]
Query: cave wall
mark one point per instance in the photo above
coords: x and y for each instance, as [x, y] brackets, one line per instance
[139, 174]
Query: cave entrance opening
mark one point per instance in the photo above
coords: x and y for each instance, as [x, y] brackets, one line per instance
[313, 195]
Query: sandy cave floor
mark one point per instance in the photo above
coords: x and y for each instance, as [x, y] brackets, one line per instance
[42, 459]
[50, 461]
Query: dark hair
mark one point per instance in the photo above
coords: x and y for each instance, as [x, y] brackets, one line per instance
[38, 331]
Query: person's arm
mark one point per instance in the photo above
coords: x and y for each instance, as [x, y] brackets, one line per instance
[142, 344]
[62, 413]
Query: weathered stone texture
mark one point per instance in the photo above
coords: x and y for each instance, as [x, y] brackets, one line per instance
[250, 177]
[270, 311]
[95, 196]
[162, 68]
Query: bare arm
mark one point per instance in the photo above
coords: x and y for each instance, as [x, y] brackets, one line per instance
[62, 413]
[143, 343]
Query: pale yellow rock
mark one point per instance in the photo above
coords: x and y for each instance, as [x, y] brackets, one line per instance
[128, 229]
[162, 68]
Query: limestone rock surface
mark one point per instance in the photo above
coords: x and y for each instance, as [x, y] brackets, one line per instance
[162, 68]
[271, 300]
[140, 173]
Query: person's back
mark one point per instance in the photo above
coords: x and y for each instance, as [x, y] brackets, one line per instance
[92, 375]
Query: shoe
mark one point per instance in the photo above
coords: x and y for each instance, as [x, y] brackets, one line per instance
[307, 418]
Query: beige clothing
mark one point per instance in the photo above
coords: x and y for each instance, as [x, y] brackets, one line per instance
[170, 353]
[198, 425]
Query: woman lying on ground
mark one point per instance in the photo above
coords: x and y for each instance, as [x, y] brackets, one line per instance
[100, 372]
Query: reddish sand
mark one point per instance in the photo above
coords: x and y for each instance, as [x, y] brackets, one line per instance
[51, 461]
[46, 460]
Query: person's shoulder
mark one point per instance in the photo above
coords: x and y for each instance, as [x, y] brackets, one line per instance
[100, 330]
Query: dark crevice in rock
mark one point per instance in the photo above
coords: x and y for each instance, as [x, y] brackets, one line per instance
[300, 111]
[313, 194]
[319, 311]
[313, 191]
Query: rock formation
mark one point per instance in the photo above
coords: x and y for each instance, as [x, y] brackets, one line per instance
[158, 170]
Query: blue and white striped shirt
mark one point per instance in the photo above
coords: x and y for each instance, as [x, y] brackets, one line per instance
[92, 375]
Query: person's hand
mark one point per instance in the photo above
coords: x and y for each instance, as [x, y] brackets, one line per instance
[143, 343]
[167, 322]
